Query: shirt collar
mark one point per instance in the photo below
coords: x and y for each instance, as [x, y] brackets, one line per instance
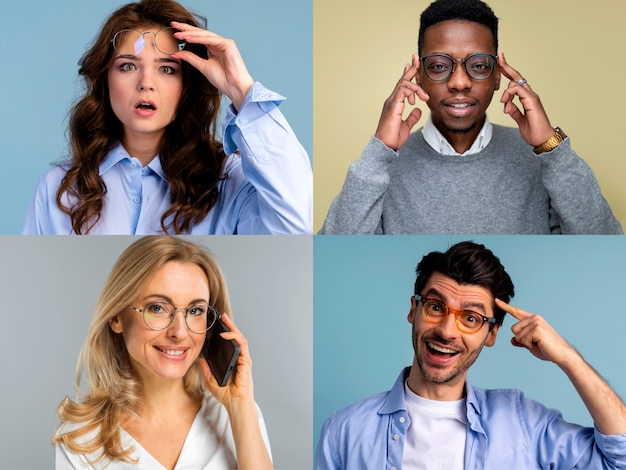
[119, 153]
[395, 401]
[474, 397]
[155, 165]
[475, 400]
[440, 144]
[115, 155]
[395, 398]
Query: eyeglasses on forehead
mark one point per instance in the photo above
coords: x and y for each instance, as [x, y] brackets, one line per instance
[130, 42]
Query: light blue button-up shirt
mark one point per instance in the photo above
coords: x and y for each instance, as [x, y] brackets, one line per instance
[266, 186]
[505, 430]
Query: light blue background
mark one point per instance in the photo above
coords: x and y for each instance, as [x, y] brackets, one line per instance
[41, 44]
[362, 296]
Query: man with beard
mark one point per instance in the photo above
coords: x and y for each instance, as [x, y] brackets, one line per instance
[433, 418]
[460, 173]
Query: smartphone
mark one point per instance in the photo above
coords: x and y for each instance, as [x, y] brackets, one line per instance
[220, 353]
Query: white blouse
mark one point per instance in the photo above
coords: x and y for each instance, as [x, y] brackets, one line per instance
[209, 445]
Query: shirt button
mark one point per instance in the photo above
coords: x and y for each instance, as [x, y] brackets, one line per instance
[402, 419]
[396, 437]
[136, 200]
[393, 468]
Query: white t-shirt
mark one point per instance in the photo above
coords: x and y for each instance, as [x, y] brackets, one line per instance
[435, 439]
[209, 445]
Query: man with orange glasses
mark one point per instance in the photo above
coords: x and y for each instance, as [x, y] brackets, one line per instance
[434, 418]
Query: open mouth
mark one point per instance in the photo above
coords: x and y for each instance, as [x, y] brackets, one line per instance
[145, 105]
[459, 109]
[438, 350]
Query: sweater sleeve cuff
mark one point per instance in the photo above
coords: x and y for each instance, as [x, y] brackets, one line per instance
[376, 157]
[381, 146]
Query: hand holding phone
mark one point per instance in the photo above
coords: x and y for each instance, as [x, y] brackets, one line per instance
[221, 354]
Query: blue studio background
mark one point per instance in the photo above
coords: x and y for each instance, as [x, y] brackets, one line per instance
[362, 297]
[42, 42]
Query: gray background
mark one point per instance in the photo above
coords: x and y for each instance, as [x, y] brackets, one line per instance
[49, 289]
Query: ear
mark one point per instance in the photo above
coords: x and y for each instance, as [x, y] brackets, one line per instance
[115, 324]
[497, 77]
[491, 336]
[413, 311]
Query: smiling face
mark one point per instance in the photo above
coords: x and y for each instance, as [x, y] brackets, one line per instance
[167, 353]
[458, 105]
[144, 89]
[443, 354]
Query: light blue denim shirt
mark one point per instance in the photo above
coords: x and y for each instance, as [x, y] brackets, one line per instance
[266, 186]
[505, 430]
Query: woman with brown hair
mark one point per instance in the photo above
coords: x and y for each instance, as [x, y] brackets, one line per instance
[145, 157]
[152, 400]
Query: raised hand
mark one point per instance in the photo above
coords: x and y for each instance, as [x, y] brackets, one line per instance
[534, 333]
[533, 123]
[224, 68]
[239, 386]
[392, 129]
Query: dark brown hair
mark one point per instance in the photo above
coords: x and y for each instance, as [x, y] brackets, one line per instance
[468, 263]
[191, 156]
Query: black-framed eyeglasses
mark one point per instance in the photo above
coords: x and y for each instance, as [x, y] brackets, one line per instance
[467, 321]
[160, 314]
[439, 67]
[130, 42]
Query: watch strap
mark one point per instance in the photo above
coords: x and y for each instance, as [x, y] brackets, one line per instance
[552, 143]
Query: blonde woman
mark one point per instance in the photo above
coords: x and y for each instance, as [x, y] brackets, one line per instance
[152, 401]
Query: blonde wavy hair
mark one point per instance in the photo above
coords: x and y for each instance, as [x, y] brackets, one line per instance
[114, 389]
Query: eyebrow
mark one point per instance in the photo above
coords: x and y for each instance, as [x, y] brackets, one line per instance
[127, 56]
[155, 297]
[164, 60]
[466, 306]
[470, 54]
[168, 60]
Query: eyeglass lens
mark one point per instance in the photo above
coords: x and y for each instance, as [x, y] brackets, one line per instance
[131, 42]
[160, 315]
[467, 320]
[439, 67]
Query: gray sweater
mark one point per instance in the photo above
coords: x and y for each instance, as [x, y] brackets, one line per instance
[503, 189]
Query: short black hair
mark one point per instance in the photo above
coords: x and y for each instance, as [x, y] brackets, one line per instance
[470, 10]
[468, 263]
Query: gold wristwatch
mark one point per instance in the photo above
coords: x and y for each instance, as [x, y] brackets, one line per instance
[552, 143]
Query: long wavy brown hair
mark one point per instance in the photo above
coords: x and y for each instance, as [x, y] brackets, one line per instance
[114, 389]
[191, 156]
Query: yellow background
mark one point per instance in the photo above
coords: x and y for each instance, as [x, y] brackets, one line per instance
[571, 53]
